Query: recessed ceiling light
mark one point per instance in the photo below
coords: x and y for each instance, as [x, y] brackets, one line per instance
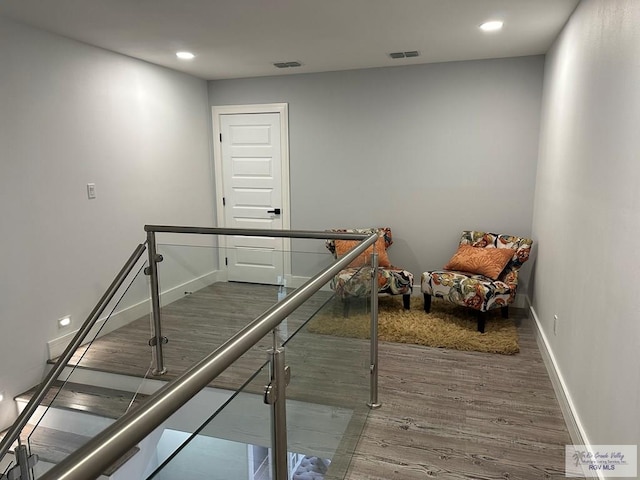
[492, 26]
[185, 55]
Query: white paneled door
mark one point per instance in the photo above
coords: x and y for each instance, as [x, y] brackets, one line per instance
[252, 182]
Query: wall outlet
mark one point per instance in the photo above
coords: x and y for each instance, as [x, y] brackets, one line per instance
[555, 324]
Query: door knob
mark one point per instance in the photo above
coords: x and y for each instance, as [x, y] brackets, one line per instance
[275, 210]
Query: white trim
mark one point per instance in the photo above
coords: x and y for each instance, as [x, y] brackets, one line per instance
[571, 418]
[296, 281]
[177, 292]
[129, 314]
[283, 110]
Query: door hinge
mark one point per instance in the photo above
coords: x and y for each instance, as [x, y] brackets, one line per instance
[224, 201]
[220, 137]
[226, 261]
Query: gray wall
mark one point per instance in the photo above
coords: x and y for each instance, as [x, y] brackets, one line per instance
[587, 216]
[71, 114]
[428, 150]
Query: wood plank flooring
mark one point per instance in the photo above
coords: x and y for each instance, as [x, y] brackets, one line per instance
[463, 415]
[195, 325]
[445, 414]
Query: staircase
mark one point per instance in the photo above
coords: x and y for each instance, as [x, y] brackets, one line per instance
[69, 416]
[321, 418]
[73, 412]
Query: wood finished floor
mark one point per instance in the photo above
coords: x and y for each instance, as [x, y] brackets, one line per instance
[195, 325]
[463, 415]
[445, 414]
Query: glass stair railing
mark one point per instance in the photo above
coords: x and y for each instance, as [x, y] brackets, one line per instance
[82, 402]
[326, 407]
[206, 392]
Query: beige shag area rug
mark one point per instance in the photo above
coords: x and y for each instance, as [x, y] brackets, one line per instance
[446, 326]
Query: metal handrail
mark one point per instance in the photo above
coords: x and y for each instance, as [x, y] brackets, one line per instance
[112, 443]
[309, 234]
[13, 432]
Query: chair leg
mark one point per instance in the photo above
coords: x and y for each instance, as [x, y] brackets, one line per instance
[427, 302]
[482, 317]
[504, 311]
[406, 302]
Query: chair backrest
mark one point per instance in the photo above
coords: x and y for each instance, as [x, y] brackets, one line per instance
[386, 232]
[521, 245]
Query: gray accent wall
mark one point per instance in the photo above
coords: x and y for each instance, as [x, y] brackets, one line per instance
[429, 150]
[72, 114]
[587, 217]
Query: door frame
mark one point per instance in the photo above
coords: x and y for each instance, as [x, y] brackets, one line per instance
[283, 110]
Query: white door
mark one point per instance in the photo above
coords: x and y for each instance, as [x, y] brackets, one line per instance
[253, 194]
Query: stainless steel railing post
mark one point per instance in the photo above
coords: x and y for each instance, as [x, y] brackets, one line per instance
[276, 396]
[22, 459]
[373, 366]
[157, 340]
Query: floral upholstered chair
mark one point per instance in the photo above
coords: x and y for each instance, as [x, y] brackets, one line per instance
[355, 281]
[482, 274]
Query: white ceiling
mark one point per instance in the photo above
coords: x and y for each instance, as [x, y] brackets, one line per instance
[243, 38]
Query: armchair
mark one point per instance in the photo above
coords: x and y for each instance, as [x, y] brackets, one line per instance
[355, 280]
[483, 273]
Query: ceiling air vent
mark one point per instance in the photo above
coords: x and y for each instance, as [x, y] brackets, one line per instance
[412, 53]
[287, 64]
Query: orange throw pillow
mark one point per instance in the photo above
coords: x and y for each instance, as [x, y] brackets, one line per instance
[489, 262]
[344, 246]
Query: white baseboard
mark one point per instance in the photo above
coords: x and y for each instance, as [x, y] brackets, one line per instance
[296, 281]
[129, 314]
[177, 292]
[571, 418]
